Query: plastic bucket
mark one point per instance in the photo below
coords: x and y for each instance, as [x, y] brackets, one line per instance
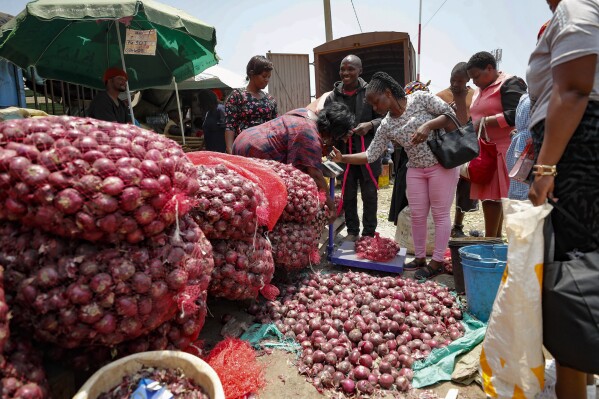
[486, 255]
[483, 267]
[456, 260]
[482, 284]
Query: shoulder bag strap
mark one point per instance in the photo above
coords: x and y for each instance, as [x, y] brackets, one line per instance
[453, 119]
[481, 127]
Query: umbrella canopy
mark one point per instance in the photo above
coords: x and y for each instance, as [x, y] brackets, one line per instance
[76, 40]
[215, 77]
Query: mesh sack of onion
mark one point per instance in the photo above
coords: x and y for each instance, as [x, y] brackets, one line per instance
[22, 375]
[90, 179]
[227, 204]
[360, 333]
[241, 268]
[74, 293]
[303, 197]
[4, 313]
[275, 193]
[179, 333]
[295, 245]
[377, 248]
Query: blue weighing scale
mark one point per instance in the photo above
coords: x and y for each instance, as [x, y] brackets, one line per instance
[345, 254]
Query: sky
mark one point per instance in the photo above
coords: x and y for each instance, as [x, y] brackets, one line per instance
[459, 28]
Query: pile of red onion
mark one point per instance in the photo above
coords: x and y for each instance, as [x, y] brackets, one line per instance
[241, 268]
[175, 381]
[21, 373]
[360, 333]
[377, 248]
[74, 293]
[226, 203]
[93, 180]
[303, 199]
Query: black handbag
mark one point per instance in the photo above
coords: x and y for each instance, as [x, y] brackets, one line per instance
[457, 147]
[571, 303]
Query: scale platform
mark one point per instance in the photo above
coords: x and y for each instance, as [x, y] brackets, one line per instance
[345, 255]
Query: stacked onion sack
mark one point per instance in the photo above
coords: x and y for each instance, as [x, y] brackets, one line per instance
[296, 235]
[95, 239]
[360, 333]
[230, 210]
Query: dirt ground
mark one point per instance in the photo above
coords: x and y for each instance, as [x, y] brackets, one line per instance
[283, 379]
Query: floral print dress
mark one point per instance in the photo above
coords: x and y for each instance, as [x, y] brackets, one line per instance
[242, 110]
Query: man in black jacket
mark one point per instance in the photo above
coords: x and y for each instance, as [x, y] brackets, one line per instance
[351, 92]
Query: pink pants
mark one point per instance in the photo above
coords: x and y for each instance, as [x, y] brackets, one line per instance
[431, 189]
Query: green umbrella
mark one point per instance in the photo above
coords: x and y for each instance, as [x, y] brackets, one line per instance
[76, 40]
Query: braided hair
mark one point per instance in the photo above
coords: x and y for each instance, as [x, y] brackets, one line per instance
[335, 119]
[381, 81]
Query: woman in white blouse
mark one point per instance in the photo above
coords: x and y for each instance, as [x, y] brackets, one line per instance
[430, 187]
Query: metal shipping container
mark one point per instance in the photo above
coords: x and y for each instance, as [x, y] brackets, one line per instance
[290, 80]
[390, 52]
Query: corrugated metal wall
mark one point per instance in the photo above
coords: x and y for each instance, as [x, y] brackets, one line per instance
[290, 81]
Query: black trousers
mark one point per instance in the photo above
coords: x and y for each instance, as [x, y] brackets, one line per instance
[356, 177]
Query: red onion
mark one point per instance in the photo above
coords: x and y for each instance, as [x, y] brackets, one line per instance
[84, 186]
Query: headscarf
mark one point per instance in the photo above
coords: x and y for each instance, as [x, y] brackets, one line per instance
[416, 86]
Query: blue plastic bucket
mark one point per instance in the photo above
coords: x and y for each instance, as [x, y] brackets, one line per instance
[482, 276]
[489, 255]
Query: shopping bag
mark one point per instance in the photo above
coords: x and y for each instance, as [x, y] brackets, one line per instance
[511, 360]
[482, 168]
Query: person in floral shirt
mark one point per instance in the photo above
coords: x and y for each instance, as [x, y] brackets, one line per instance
[250, 106]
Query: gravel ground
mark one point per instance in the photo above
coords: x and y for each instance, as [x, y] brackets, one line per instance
[472, 220]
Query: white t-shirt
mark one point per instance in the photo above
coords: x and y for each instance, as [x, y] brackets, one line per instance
[573, 32]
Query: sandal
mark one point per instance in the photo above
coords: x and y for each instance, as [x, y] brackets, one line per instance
[414, 265]
[428, 272]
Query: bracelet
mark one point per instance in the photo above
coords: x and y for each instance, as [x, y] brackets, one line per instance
[373, 129]
[544, 170]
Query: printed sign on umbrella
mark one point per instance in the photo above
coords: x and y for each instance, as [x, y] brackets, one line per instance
[76, 41]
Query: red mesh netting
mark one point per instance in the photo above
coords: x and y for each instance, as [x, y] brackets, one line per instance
[235, 363]
[179, 333]
[270, 292]
[226, 205]
[74, 293]
[376, 248]
[303, 198]
[270, 183]
[4, 314]
[94, 180]
[294, 245]
[21, 371]
[241, 267]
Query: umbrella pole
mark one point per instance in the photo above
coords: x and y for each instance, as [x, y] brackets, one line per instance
[180, 113]
[118, 35]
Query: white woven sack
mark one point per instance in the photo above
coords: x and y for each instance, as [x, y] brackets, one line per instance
[403, 233]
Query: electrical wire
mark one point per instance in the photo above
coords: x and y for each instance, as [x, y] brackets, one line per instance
[429, 20]
[356, 14]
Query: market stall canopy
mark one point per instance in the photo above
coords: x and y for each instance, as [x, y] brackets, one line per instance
[76, 40]
[215, 77]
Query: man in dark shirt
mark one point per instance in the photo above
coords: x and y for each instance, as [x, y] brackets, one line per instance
[351, 92]
[106, 105]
